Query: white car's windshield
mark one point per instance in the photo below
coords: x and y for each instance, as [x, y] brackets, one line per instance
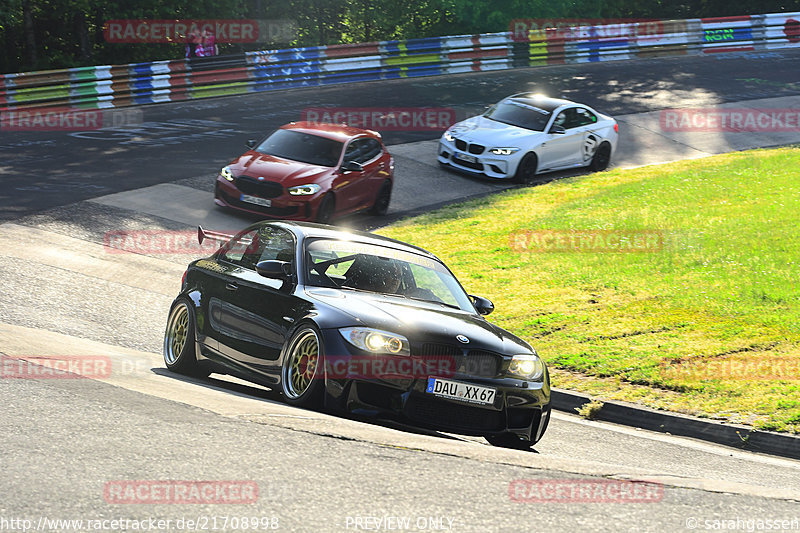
[520, 114]
[383, 270]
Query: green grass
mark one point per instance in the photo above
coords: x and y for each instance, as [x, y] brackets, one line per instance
[708, 323]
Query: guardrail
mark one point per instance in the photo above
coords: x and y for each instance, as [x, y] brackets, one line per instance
[108, 86]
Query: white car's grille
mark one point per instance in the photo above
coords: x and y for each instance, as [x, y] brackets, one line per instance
[476, 149]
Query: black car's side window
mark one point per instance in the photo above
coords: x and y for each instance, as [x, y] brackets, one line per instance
[265, 244]
[276, 244]
[243, 250]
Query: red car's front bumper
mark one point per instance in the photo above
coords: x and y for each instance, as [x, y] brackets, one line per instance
[283, 206]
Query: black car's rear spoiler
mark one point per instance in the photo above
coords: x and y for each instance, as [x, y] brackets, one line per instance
[213, 235]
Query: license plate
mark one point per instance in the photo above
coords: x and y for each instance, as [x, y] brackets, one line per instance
[455, 390]
[256, 200]
[465, 157]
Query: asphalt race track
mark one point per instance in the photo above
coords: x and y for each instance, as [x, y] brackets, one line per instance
[65, 294]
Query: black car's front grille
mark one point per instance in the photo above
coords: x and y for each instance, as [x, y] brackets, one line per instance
[482, 364]
[255, 187]
[441, 413]
[461, 145]
[476, 363]
[430, 349]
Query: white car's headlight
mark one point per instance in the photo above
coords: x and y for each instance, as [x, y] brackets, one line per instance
[376, 341]
[304, 190]
[504, 151]
[226, 173]
[449, 136]
[527, 366]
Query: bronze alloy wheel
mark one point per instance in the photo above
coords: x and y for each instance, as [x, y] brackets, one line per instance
[176, 335]
[301, 365]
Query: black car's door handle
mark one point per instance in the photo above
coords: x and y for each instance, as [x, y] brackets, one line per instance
[231, 286]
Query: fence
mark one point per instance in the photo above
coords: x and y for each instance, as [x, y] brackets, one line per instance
[169, 81]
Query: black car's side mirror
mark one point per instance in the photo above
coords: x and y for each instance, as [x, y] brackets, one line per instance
[557, 130]
[273, 269]
[251, 143]
[484, 306]
[352, 166]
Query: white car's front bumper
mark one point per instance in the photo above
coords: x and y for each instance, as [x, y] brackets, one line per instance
[484, 163]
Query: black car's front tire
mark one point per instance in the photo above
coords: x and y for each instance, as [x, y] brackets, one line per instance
[302, 372]
[516, 442]
[509, 440]
[179, 340]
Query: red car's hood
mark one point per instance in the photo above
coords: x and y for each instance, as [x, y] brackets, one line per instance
[273, 168]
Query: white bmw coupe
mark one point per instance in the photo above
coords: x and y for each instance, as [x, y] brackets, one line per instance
[527, 134]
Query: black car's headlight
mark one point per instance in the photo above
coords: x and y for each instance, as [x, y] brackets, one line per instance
[226, 173]
[504, 151]
[376, 341]
[527, 366]
[304, 190]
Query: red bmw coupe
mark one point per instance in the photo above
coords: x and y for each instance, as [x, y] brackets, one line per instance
[310, 171]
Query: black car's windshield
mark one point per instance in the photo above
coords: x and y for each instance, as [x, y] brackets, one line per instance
[303, 147]
[520, 114]
[379, 269]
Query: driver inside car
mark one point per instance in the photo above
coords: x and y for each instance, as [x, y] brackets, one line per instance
[374, 274]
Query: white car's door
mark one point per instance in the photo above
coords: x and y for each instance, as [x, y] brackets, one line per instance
[562, 150]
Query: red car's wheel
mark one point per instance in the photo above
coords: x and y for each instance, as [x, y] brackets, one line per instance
[326, 209]
[381, 205]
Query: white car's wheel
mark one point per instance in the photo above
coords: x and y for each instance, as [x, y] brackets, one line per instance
[526, 170]
[601, 157]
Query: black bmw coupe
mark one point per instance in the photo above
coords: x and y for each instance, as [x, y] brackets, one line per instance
[355, 322]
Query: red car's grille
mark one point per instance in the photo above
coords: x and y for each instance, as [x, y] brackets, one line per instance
[272, 211]
[256, 187]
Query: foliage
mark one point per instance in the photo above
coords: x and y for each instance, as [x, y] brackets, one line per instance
[68, 33]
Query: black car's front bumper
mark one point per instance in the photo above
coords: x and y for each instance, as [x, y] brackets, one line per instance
[521, 407]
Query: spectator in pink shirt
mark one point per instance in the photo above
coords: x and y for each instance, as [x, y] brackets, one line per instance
[207, 46]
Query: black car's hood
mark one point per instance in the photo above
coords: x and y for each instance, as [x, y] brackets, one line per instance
[419, 321]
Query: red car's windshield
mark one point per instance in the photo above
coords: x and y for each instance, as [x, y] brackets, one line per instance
[302, 147]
